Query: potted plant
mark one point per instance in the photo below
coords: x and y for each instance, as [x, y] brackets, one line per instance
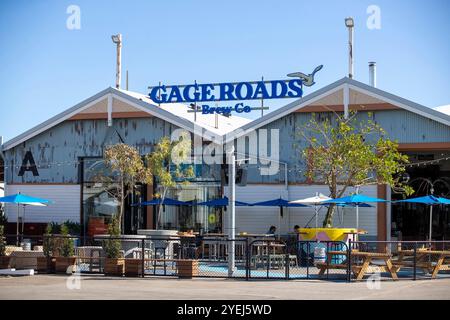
[66, 250]
[5, 261]
[47, 263]
[114, 263]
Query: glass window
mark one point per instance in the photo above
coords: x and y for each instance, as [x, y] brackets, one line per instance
[99, 200]
[196, 218]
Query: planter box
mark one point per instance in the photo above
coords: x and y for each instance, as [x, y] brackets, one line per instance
[114, 267]
[46, 264]
[187, 268]
[5, 262]
[62, 263]
[133, 267]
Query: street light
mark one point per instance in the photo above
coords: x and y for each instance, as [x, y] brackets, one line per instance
[117, 39]
[349, 23]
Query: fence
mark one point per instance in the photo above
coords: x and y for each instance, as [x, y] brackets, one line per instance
[255, 258]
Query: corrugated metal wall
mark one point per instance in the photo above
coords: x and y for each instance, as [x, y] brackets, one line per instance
[258, 219]
[400, 125]
[56, 151]
[65, 203]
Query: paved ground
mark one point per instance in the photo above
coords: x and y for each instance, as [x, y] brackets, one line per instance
[99, 287]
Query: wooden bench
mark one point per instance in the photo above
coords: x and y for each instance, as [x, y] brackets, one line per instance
[324, 266]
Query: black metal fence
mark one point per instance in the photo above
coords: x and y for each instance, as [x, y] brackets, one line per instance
[260, 258]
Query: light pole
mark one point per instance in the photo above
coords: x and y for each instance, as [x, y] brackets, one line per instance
[349, 23]
[117, 39]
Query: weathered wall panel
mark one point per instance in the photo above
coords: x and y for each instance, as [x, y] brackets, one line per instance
[56, 150]
[400, 125]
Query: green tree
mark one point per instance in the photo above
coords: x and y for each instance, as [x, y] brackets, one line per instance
[112, 246]
[349, 153]
[2, 241]
[168, 164]
[128, 164]
[67, 248]
[48, 245]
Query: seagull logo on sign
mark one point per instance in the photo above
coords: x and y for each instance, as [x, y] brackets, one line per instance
[307, 79]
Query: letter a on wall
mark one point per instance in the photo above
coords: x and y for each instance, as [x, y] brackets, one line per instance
[28, 164]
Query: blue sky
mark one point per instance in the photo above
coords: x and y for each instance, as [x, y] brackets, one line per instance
[47, 68]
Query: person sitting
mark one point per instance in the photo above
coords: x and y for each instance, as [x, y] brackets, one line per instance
[272, 230]
[297, 232]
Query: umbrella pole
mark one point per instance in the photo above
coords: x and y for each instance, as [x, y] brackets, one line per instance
[317, 219]
[431, 222]
[23, 220]
[17, 227]
[357, 222]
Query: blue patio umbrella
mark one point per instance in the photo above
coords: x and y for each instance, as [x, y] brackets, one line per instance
[24, 200]
[158, 201]
[222, 202]
[357, 200]
[351, 205]
[280, 202]
[428, 200]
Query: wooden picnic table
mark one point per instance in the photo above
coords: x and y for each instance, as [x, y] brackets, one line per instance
[323, 266]
[367, 265]
[422, 254]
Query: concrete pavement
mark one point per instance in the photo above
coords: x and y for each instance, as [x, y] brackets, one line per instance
[99, 287]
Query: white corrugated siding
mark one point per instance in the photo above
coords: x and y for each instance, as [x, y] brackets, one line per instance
[65, 203]
[259, 219]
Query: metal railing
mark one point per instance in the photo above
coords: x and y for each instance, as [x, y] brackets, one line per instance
[260, 258]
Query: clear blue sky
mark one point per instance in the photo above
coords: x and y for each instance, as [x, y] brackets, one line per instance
[47, 68]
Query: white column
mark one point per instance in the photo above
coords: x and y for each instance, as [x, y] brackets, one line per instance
[231, 210]
[346, 100]
[109, 110]
[388, 213]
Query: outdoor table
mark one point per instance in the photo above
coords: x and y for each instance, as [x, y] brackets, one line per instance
[368, 267]
[360, 270]
[267, 252]
[421, 260]
[216, 247]
[323, 266]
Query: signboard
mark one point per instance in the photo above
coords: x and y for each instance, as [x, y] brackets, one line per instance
[233, 91]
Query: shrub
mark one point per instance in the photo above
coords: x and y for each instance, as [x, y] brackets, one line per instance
[56, 227]
[48, 243]
[66, 248]
[112, 246]
[2, 241]
[3, 218]
[74, 227]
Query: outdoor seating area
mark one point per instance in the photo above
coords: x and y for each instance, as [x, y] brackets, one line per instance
[255, 258]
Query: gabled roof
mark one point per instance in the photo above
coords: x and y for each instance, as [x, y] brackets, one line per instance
[229, 127]
[331, 88]
[178, 116]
